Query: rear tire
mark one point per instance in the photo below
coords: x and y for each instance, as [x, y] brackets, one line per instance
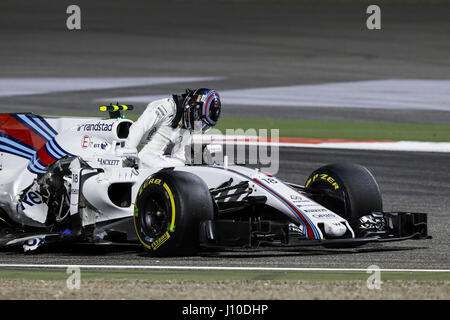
[169, 208]
[360, 190]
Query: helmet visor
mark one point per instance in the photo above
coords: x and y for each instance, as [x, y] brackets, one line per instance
[211, 109]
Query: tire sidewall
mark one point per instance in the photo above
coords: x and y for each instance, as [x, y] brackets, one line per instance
[181, 236]
[360, 189]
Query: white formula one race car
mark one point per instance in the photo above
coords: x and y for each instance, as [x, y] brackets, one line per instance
[65, 180]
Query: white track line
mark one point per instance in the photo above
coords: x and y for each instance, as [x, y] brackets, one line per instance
[412, 146]
[136, 267]
[27, 86]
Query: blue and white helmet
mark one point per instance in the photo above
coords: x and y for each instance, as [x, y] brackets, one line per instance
[201, 105]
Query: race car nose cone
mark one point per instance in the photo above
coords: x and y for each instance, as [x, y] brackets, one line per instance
[334, 229]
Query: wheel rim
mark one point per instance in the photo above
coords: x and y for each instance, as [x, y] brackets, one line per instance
[155, 218]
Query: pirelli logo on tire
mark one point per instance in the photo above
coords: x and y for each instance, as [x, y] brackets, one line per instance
[324, 177]
[158, 242]
[149, 182]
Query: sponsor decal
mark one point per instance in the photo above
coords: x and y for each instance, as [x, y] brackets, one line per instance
[323, 177]
[33, 244]
[99, 126]
[324, 215]
[31, 199]
[102, 146]
[270, 180]
[108, 162]
[315, 210]
[85, 142]
[148, 182]
[299, 201]
[158, 242]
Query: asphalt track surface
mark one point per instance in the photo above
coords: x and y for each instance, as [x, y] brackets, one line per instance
[250, 46]
[409, 182]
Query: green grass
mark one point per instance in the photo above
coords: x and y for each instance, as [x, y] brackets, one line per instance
[336, 129]
[218, 275]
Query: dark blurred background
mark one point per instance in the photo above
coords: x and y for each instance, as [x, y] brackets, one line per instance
[228, 45]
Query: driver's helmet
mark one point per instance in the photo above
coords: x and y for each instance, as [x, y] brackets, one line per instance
[201, 105]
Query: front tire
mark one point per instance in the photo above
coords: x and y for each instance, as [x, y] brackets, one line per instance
[169, 208]
[358, 186]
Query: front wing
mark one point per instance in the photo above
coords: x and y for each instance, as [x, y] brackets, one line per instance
[266, 235]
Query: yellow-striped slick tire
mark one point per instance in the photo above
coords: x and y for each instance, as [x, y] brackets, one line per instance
[169, 208]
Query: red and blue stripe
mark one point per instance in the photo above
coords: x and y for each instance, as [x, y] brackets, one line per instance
[309, 227]
[31, 137]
